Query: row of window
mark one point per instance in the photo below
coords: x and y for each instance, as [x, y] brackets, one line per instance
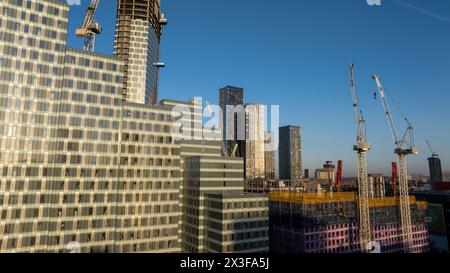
[95, 188]
[36, 6]
[112, 209]
[36, 11]
[168, 169]
[117, 246]
[84, 211]
[85, 63]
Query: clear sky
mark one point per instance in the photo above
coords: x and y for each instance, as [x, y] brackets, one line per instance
[295, 53]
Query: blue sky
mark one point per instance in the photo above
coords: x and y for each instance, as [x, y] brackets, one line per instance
[295, 53]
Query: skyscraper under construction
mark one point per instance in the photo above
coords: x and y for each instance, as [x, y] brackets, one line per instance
[138, 32]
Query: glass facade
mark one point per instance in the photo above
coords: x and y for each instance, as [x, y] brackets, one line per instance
[217, 215]
[269, 158]
[237, 223]
[190, 112]
[233, 122]
[254, 143]
[290, 153]
[78, 163]
[206, 175]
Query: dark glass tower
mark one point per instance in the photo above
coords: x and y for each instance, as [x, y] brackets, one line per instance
[435, 169]
[290, 153]
[233, 96]
[138, 32]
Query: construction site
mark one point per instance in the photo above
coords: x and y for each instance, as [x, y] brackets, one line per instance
[362, 221]
[329, 223]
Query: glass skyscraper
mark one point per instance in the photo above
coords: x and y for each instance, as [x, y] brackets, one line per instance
[290, 153]
[254, 161]
[233, 122]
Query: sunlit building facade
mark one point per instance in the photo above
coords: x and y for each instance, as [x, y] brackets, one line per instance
[254, 141]
[269, 157]
[377, 186]
[218, 217]
[78, 163]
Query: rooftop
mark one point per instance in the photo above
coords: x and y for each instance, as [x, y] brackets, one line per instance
[328, 198]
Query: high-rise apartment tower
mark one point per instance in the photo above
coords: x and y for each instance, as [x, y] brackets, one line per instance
[254, 160]
[232, 105]
[138, 32]
[290, 153]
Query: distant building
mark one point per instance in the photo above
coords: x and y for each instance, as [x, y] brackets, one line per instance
[328, 223]
[269, 159]
[377, 186]
[306, 175]
[328, 173]
[439, 212]
[434, 164]
[233, 109]
[418, 177]
[254, 156]
[290, 153]
[446, 176]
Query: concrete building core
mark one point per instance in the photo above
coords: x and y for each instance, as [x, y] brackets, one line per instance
[137, 40]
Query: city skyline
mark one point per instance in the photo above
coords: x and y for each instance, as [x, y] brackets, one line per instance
[248, 51]
[93, 160]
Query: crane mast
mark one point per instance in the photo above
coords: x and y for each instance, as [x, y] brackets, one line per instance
[362, 147]
[90, 27]
[404, 147]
